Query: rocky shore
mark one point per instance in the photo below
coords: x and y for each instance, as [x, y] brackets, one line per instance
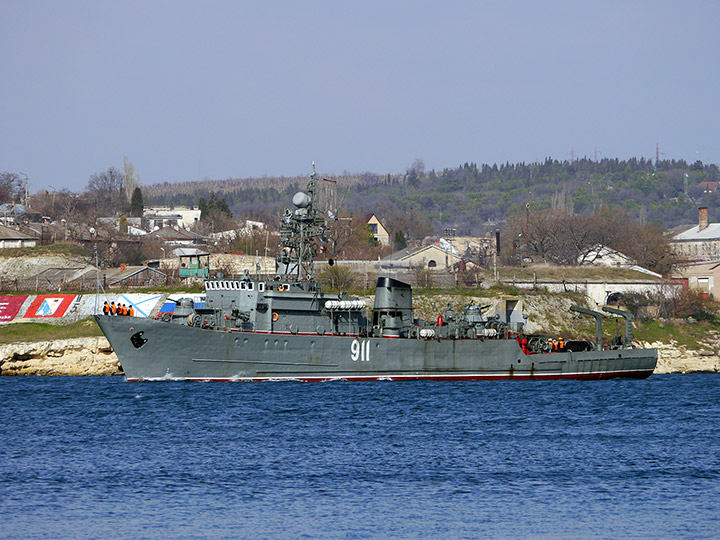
[94, 356]
[78, 356]
[673, 358]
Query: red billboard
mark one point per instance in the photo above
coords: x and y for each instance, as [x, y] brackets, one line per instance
[52, 305]
[10, 305]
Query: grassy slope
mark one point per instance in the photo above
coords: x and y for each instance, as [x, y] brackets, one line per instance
[72, 250]
[32, 332]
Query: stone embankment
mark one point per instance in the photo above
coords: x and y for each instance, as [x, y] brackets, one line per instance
[94, 356]
[673, 358]
[77, 356]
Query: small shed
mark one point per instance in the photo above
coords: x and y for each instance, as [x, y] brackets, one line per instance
[195, 265]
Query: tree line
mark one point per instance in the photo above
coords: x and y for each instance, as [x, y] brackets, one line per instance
[475, 198]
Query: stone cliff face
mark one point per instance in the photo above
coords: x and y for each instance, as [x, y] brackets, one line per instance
[676, 359]
[79, 356]
[94, 356]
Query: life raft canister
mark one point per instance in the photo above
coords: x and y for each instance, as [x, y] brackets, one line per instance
[275, 316]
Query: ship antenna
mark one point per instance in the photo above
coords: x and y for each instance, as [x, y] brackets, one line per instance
[97, 280]
[299, 228]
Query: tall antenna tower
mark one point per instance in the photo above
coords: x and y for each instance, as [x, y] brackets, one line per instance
[298, 229]
[327, 197]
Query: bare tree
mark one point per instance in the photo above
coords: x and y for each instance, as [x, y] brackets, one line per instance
[106, 192]
[66, 203]
[349, 237]
[10, 186]
[570, 239]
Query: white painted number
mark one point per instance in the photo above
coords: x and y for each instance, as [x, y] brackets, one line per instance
[360, 350]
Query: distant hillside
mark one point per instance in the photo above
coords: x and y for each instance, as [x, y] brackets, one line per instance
[474, 199]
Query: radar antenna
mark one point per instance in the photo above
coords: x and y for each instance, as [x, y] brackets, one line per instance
[298, 229]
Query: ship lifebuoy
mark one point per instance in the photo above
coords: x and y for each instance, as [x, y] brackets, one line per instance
[281, 288]
[275, 316]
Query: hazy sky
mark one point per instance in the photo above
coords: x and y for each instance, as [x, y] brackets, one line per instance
[193, 90]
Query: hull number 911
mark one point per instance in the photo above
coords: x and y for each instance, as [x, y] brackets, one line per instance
[360, 350]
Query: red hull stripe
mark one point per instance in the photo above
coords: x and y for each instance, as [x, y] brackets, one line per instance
[636, 374]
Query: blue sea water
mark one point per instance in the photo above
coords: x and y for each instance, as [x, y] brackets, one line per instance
[99, 457]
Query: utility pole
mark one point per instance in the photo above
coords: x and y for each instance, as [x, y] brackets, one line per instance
[27, 207]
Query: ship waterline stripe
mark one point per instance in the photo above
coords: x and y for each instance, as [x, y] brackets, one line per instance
[636, 373]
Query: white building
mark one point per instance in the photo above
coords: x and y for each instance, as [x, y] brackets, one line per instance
[605, 256]
[164, 216]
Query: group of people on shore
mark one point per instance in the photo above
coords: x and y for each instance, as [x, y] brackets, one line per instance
[119, 309]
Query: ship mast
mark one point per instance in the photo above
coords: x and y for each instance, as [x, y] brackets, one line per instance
[298, 228]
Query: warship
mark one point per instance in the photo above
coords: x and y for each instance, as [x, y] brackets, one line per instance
[286, 328]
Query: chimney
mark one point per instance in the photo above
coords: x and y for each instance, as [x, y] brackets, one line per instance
[703, 219]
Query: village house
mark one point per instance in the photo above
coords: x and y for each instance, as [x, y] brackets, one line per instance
[700, 276]
[379, 232]
[11, 238]
[178, 216]
[605, 256]
[439, 255]
[699, 242]
[174, 236]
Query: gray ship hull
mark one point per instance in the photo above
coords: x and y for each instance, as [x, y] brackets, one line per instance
[177, 352]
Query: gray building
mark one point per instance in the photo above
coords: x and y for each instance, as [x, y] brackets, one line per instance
[11, 238]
